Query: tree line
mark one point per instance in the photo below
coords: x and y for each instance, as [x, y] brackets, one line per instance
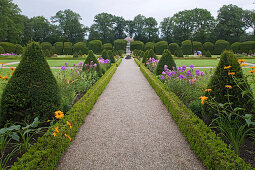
[231, 24]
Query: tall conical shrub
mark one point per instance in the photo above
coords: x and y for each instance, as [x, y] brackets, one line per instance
[111, 56]
[151, 54]
[166, 59]
[105, 55]
[32, 91]
[145, 56]
[219, 92]
[91, 57]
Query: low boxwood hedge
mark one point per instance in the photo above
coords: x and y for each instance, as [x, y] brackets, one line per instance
[214, 153]
[46, 153]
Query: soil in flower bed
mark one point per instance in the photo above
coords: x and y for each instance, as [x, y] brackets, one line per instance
[247, 152]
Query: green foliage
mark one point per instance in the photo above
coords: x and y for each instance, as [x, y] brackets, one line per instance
[105, 55]
[111, 56]
[75, 55]
[197, 46]
[208, 46]
[196, 107]
[47, 53]
[107, 46]
[235, 47]
[8, 47]
[173, 47]
[95, 46]
[214, 153]
[136, 45]
[160, 47]
[120, 44]
[246, 46]
[166, 59]
[220, 46]
[46, 46]
[32, 91]
[208, 54]
[187, 47]
[18, 49]
[2, 50]
[148, 46]
[48, 150]
[68, 48]
[250, 52]
[151, 54]
[221, 94]
[80, 46]
[91, 58]
[178, 52]
[58, 48]
[145, 56]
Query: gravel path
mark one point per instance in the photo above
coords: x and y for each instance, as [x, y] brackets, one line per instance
[129, 128]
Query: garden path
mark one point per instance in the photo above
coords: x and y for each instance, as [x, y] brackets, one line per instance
[129, 128]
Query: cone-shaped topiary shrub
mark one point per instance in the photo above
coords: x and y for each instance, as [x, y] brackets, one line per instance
[32, 91]
[105, 55]
[219, 92]
[151, 54]
[91, 58]
[111, 56]
[141, 55]
[145, 56]
[208, 54]
[166, 59]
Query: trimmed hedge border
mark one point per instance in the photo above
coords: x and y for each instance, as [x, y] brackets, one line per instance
[214, 153]
[46, 153]
[118, 62]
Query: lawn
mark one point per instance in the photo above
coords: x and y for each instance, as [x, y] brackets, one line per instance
[197, 63]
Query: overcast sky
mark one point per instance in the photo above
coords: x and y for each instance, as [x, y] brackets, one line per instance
[128, 9]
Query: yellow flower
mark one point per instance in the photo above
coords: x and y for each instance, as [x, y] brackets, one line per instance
[253, 67]
[208, 90]
[232, 73]
[11, 73]
[56, 130]
[203, 98]
[59, 114]
[228, 86]
[12, 68]
[70, 127]
[68, 137]
[227, 67]
[241, 60]
[243, 65]
[252, 71]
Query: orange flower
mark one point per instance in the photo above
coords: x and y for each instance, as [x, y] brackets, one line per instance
[241, 60]
[1, 77]
[54, 134]
[243, 65]
[253, 67]
[5, 78]
[232, 73]
[59, 114]
[11, 73]
[203, 98]
[252, 71]
[68, 137]
[12, 68]
[67, 81]
[227, 67]
[56, 130]
[2, 63]
[208, 90]
[69, 124]
[228, 86]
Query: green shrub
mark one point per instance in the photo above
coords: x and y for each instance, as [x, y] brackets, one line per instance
[235, 47]
[148, 46]
[91, 57]
[141, 55]
[2, 50]
[111, 56]
[138, 45]
[8, 47]
[32, 91]
[160, 47]
[151, 54]
[166, 59]
[197, 46]
[178, 52]
[80, 46]
[120, 52]
[120, 44]
[208, 54]
[145, 56]
[219, 92]
[46, 46]
[187, 47]
[250, 52]
[76, 55]
[47, 53]
[18, 49]
[220, 46]
[105, 54]
[95, 46]
[196, 107]
[173, 47]
[246, 46]
[208, 46]
[68, 48]
[58, 48]
[107, 46]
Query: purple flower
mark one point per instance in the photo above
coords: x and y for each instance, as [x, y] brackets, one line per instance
[181, 77]
[63, 68]
[202, 73]
[162, 77]
[179, 69]
[191, 66]
[173, 73]
[164, 73]
[74, 65]
[197, 73]
[189, 74]
[80, 64]
[168, 73]
[66, 63]
[165, 67]
[95, 65]
[85, 65]
[183, 68]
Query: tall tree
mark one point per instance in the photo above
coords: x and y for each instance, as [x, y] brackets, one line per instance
[130, 27]
[249, 18]
[69, 25]
[151, 29]
[139, 26]
[166, 29]
[119, 25]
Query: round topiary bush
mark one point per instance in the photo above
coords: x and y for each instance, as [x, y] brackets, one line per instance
[95, 46]
[105, 55]
[18, 49]
[120, 44]
[32, 91]
[197, 46]
[46, 46]
[187, 47]
[136, 45]
[235, 47]
[91, 57]
[80, 46]
[178, 52]
[160, 47]
[68, 48]
[111, 56]
[58, 48]
[173, 47]
[220, 93]
[220, 46]
[208, 46]
[148, 46]
[166, 59]
[2, 50]
[107, 46]
[8, 47]
[246, 46]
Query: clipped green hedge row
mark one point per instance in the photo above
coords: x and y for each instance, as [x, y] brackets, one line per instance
[48, 150]
[211, 149]
[118, 62]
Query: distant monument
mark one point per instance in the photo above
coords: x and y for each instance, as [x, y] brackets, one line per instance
[128, 52]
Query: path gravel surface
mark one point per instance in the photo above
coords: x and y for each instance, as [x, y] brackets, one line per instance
[129, 128]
